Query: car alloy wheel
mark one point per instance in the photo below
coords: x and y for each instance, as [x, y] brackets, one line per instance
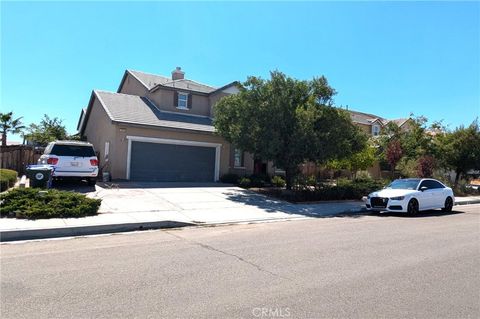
[448, 205]
[412, 207]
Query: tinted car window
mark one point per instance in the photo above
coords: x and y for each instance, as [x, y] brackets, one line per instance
[436, 184]
[431, 184]
[72, 150]
[425, 184]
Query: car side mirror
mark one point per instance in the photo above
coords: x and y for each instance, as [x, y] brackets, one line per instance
[423, 188]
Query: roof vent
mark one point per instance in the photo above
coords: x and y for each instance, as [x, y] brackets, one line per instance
[178, 74]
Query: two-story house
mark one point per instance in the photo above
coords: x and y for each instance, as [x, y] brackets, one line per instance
[157, 128]
[373, 126]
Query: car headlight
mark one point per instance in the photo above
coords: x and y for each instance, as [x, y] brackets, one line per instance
[398, 198]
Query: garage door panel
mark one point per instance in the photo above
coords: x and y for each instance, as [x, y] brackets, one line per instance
[171, 163]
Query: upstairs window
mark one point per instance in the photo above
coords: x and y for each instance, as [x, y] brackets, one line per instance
[182, 101]
[376, 130]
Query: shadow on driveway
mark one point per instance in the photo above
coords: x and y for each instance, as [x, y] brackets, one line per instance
[350, 209]
[73, 186]
[347, 209]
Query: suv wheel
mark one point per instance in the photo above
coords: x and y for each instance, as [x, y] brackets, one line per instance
[92, 181]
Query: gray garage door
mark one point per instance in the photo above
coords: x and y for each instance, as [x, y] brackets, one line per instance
[171, 163]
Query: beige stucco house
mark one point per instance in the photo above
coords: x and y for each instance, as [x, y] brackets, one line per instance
[372, 125]
[157, 128]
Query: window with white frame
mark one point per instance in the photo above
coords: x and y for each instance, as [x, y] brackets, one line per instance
[238, 158]
[182, 100]
[376, 130]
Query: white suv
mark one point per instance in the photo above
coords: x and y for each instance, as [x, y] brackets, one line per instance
[71, 159]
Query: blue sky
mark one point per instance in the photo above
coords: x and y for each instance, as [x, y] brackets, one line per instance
[384, 58]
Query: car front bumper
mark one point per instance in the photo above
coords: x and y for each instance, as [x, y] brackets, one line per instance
[399, 206]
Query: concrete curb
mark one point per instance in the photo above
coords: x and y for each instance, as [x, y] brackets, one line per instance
[468, 202]
[29, 234]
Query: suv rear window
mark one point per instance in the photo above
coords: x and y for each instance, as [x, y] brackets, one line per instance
[72, 150]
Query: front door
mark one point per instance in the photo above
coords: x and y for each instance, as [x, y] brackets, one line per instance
[259, 167]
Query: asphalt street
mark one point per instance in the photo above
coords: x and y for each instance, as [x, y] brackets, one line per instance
[359, 266]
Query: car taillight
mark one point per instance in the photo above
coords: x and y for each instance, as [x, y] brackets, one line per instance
[52, 160]
[94, 162]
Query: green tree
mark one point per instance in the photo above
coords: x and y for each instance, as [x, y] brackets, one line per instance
[415, 141]
[48, 130]
[287, 121]
[358, 161]
[460, 149]
[10, 125]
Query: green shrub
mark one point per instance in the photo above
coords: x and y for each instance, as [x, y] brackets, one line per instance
[245, 182]
[259, 180]
[230, 178]
[278, 181]
[33, 203]
[8, 178]
[344, 189]
[364, 175]
[311, 180]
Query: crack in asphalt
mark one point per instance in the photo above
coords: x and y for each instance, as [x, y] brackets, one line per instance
[241, 259]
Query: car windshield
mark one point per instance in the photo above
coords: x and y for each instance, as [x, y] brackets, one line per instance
[404, 184]
[72, 150]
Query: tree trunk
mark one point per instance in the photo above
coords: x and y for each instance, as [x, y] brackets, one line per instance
[457, 177]
[289, 177]
[4, 138]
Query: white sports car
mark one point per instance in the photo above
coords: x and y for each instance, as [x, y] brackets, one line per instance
[412, 195]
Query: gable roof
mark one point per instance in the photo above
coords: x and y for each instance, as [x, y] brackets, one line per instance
[366, 118]
[185, 84]
[137, 110]
[400, 122]
[149, 80]
[152, 82]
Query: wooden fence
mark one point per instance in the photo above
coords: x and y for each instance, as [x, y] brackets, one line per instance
[17, 157]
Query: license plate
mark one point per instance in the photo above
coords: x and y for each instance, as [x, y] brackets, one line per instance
[74, 164]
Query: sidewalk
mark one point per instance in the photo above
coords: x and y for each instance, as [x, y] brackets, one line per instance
[170, 207]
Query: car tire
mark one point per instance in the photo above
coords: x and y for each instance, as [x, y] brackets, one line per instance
[448, 204]
[92, 181]
[412, 207]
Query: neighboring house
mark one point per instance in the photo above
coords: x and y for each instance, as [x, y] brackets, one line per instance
[370, 124]
[373, 124]
[157, 128]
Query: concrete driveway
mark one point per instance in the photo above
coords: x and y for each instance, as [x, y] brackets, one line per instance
[204, 203]
[136, 206]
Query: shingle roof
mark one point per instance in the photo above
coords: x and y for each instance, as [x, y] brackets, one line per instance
[365, 118]
[399, 122]
[149, 80]
[152, 80]
[134, 109]
[186, 84]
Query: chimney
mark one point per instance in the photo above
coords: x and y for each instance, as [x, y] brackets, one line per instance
[178, 74]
